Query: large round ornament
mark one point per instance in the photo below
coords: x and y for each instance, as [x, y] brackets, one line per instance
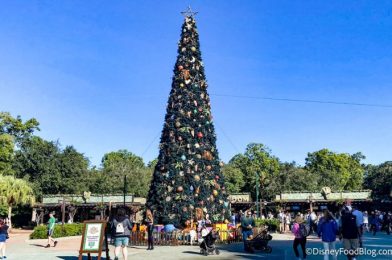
[180, 189]
[193, 48]
[200, 134]
[197, 178]
[183, 157]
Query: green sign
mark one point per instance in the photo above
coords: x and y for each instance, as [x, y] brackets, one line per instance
[92, 237]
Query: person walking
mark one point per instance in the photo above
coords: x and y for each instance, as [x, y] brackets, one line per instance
[349, 232]
[247, 225]
[3, 237]
[121, 231]
[150, 228]
[387, 222]
[51, 225]
[287, 221]
[327, 229]
[299, 236]
[281, 218]
[366, 221]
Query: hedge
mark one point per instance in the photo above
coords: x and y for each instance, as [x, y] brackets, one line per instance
[41, 232]
[272, 224]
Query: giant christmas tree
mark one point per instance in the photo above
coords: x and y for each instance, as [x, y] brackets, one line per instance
[187, 177]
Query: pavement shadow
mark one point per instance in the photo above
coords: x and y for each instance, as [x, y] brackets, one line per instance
[38, 245]
[191, 252]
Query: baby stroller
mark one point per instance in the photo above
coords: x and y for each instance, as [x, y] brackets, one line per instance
[259, 242]
[207, 247]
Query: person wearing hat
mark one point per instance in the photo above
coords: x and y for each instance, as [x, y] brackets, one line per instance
[299, 239]
[247, 224]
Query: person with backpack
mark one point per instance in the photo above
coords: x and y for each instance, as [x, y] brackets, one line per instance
[150, 228]
[51, 225]
[349, 232]
[327, 230]
[300, 231]
[121, 231]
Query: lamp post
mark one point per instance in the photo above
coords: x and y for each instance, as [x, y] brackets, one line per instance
[257, 193]
[125, 187]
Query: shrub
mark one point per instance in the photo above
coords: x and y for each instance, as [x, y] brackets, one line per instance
[272, 224]
[41, 232]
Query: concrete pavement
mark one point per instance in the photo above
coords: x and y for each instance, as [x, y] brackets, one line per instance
[19, 247]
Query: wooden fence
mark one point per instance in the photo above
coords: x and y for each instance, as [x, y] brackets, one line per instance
[175, 238]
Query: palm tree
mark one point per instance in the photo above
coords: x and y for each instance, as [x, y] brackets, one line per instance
[14, 192]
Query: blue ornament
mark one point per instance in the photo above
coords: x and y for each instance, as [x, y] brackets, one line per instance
[191, 188]
[183, 157]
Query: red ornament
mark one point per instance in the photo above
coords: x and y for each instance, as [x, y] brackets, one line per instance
[217, 177]
[200, 134]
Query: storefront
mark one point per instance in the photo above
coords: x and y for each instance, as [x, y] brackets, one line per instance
[77, 208]
[318, 201]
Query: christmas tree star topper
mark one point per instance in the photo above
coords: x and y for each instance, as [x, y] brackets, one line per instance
[189, 12]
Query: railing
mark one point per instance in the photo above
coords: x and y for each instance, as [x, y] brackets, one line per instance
[175, 238]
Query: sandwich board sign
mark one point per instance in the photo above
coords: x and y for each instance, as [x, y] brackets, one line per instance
[92, 238]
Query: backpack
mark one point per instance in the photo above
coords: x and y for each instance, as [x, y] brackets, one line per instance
[304, 230]
[120, 228]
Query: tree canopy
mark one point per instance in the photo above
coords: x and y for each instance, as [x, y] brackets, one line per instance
[340, 171]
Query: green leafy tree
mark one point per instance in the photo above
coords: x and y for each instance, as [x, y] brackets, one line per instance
[6, 154]
[338, 171]
[122, 163]
[50, 169]
[234, 178]
[295, 178]
[258, 159]
[187, 175]
[16, 127]
[379, 180]
[14, 192]
[73, 169]
[12, 131]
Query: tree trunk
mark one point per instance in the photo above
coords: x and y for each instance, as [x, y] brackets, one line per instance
[9, 217]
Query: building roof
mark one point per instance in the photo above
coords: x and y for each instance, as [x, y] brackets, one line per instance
[87, 198]
[319, 196]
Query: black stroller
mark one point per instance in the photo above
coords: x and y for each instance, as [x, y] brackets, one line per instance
[259, 242]
[207, 247]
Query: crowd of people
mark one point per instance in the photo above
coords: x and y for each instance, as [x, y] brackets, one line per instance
[348, 225]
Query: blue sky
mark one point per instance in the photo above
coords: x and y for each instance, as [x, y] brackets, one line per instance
[97, 74]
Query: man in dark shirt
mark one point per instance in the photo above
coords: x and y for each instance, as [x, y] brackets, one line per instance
[247, 224]
[349, 231]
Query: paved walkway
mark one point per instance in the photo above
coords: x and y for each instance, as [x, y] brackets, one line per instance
[19, 247]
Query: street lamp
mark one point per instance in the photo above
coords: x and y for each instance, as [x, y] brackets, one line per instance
[257, 193]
